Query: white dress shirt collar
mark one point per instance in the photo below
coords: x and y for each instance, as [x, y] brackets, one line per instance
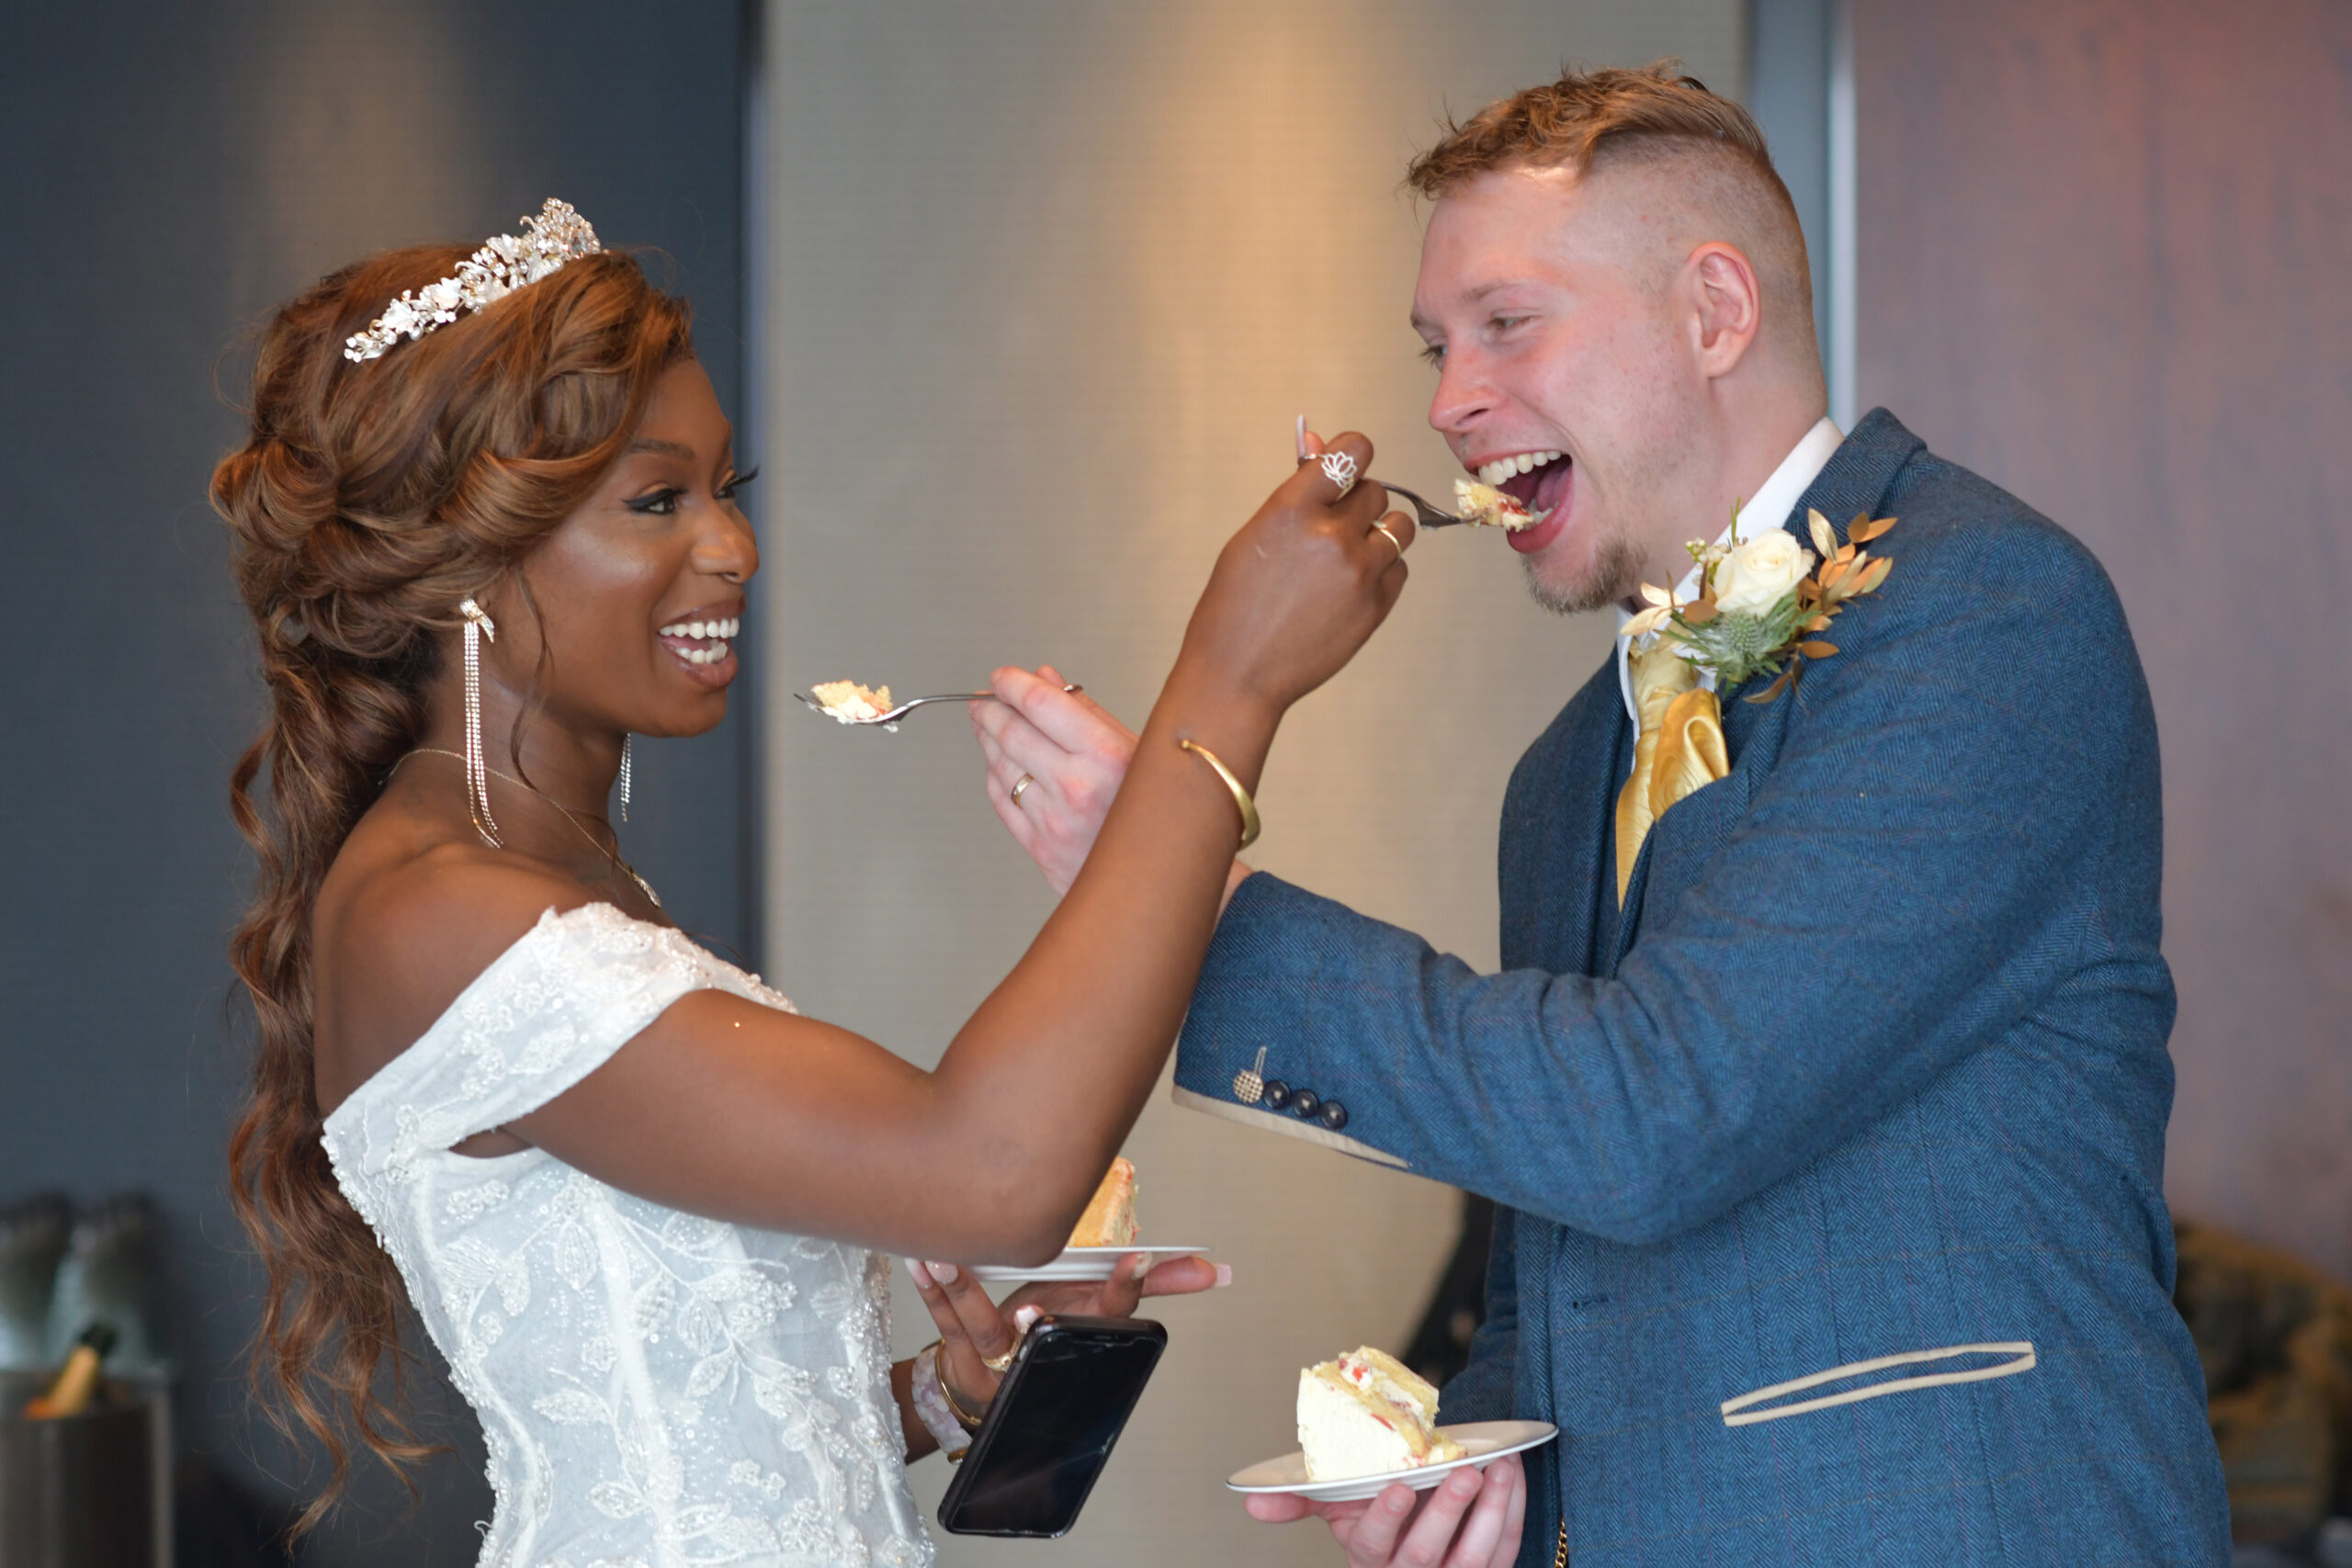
[1768, 508]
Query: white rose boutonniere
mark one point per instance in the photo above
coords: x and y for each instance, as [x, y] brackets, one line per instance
[1760, 601]
[1760, 573]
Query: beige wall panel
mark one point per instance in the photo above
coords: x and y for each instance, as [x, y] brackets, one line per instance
[2101, 248]
[1042, 285]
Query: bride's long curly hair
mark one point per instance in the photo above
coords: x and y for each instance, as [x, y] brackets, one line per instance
[370, 498]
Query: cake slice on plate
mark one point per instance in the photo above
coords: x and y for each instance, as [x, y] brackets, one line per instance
[1366, 1413]
[1110, 1218]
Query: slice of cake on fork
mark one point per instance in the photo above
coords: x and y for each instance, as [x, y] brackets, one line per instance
[1366, 1413]
[849, 702]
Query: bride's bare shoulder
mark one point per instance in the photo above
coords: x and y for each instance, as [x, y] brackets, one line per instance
[400, 930]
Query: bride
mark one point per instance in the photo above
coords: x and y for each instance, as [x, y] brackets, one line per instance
[486, 523]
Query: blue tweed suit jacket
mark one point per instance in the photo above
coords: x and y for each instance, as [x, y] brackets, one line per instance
[1872, 1066]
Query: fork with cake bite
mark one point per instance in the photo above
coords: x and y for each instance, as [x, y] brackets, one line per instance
[893, 714]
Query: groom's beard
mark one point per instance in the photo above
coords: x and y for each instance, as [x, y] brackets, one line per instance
[1615, 575]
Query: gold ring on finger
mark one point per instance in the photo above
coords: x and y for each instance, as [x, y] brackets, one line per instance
[1383, 529]
[998, 1364]
[1023, 783]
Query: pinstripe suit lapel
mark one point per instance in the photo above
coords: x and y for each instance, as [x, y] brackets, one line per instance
[1555, 842]
[1857, 477]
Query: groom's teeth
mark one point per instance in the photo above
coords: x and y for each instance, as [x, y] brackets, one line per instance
[1519, 463]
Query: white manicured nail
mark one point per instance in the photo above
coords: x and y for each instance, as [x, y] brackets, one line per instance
[918, 1273]
[942, 1272]
[1224, 1276]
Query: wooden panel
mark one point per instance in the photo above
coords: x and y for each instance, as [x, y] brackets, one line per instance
[2101, 262]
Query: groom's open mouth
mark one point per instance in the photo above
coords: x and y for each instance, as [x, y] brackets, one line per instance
[1540, 482]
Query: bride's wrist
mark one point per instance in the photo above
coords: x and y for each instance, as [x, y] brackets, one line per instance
[934, 1405]
[1233, 726]
[1212, 707]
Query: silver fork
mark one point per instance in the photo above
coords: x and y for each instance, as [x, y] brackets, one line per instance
[1424, 515]
[906, 707]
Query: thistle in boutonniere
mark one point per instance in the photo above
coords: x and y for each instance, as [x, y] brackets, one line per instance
[1760, 602]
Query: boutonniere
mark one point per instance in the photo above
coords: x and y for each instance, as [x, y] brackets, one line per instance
[1760, 602]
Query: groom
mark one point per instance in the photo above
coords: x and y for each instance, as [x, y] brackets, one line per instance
[1829, 1152]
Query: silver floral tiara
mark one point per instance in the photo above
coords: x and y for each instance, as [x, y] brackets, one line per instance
[505, 262]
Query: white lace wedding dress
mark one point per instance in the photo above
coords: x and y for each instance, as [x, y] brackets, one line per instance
[656, 1390]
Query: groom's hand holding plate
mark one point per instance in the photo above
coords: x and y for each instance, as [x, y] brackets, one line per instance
[1471, 1520]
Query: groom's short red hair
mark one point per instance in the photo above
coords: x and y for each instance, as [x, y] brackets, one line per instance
[1593, 115]
[1594, 121]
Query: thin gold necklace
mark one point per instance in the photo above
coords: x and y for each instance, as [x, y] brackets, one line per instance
[611, 854]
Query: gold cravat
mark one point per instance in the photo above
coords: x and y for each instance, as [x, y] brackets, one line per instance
[1679, 750]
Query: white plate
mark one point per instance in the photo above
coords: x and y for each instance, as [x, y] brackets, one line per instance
[1486, 1440]
[1077, 1263]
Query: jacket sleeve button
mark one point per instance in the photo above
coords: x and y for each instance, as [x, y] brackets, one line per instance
[1277, 1094]
[1333, 1115]
[1305, 1102]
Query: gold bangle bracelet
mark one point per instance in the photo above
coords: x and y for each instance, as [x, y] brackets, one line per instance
[1249, 823]
[964, 1418]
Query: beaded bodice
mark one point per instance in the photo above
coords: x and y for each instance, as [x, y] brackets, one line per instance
[656, 1390]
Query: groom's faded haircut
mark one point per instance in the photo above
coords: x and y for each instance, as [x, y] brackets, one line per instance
[1592, 121]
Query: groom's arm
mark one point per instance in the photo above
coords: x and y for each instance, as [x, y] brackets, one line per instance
[1899, 892]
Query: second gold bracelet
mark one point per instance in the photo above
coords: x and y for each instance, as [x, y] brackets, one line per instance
[1249, 823]
[964, 1418]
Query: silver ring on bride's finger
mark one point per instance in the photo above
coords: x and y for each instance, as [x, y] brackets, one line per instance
[1381, 529]
[1341, 470]
[1024, 782]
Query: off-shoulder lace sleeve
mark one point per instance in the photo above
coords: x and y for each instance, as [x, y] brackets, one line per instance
[548, 1012]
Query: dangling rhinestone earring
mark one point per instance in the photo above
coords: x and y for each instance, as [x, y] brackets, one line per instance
[477, 626]
[625, 774]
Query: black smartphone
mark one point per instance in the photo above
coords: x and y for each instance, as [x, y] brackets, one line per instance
[1067, 1395]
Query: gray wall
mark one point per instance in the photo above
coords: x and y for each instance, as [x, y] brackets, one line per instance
[168, 173]
[2100, 257]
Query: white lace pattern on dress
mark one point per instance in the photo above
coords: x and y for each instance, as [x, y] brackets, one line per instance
[656, 1390]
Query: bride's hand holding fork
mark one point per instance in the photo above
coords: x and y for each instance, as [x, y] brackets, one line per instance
[1055, 757]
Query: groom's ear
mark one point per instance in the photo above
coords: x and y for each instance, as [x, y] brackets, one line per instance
[1724, 303]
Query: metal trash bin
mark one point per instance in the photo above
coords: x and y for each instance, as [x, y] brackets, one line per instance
[87, 1491]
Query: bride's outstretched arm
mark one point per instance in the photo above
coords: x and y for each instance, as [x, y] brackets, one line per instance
[1072, 751]
[726, 1108]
